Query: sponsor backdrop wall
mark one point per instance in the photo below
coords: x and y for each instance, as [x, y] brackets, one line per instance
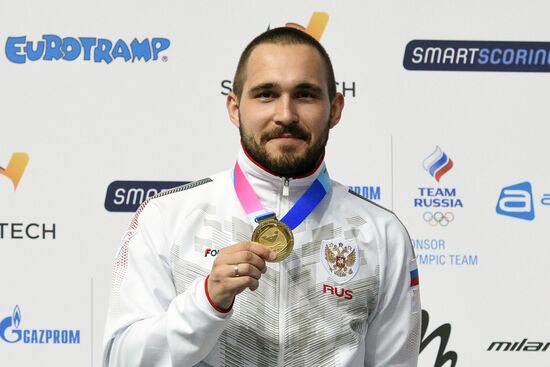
[446, 123]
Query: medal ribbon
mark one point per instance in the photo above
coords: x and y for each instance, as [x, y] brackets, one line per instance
[296, 215]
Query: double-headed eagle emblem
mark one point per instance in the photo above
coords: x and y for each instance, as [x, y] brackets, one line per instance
[340, 258]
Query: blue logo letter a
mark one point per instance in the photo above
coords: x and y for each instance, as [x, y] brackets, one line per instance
[517, 201]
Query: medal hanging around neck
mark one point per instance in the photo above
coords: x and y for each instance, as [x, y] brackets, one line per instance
[271, 232]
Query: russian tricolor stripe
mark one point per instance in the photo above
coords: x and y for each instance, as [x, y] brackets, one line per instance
[414, 277]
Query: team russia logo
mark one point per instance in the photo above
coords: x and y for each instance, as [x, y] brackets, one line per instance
[437, 163]
[438, 202]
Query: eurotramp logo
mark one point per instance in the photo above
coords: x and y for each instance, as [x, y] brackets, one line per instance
[517, 201]
[15, 168]
[445, 55]
[52, 47]
[11, 332]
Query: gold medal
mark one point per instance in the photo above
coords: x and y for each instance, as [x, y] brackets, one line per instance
[276, 235]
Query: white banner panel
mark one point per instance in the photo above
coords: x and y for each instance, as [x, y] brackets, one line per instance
[445, 123]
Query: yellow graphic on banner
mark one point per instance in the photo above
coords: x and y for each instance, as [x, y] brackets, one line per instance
[16, 168]
[316, 26]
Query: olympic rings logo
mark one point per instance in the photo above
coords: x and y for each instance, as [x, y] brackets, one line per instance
[438, 218]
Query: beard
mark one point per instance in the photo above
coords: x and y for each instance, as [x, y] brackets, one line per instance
[288, 163]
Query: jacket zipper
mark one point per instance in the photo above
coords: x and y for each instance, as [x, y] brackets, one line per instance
[286, 191]
[285, 203]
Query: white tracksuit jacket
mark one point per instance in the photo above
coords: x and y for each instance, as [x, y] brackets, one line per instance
[160, 313]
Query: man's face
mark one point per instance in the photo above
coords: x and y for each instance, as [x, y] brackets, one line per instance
[284, 113]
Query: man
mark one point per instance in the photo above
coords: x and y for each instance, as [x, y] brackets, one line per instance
[334, 282]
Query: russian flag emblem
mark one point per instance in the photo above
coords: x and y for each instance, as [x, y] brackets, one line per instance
[414, 275]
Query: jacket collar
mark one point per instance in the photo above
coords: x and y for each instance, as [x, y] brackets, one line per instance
[256, 172]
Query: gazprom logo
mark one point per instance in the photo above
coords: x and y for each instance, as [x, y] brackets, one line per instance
[368, 192]
[517, 201]
[11, 333]
[11, 323]
[19, 50]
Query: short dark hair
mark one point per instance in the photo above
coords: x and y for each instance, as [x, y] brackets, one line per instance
[283, 36]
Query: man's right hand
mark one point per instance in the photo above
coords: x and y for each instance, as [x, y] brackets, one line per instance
[249, 258]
